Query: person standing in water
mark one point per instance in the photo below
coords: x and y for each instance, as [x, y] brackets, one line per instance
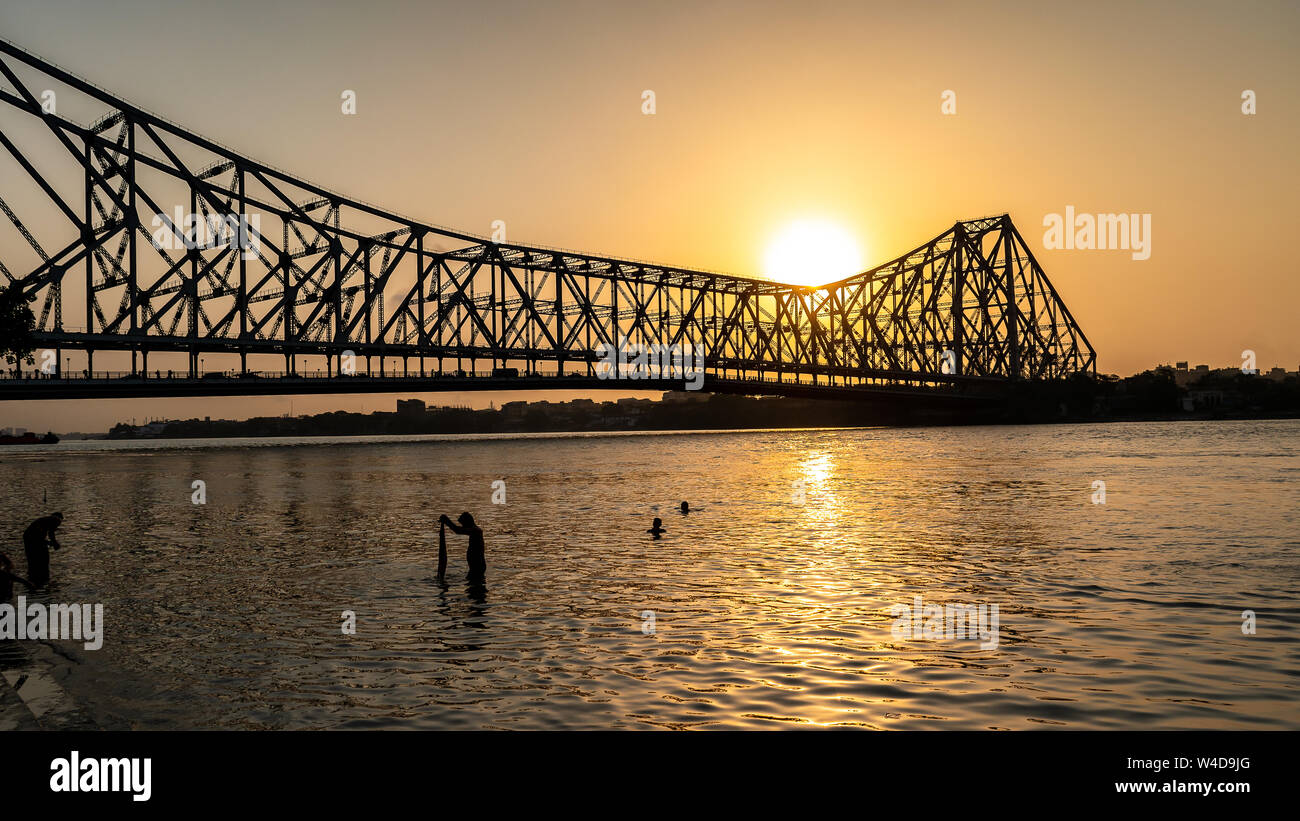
[657, 528]
[474, 553]
[36, 538]
[686, 508]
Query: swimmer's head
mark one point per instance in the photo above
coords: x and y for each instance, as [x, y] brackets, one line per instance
[465, 519]
[657, 522]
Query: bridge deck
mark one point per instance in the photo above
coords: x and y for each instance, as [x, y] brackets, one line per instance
[134, 386]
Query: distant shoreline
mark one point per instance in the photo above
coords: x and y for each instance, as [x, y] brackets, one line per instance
[471, 436]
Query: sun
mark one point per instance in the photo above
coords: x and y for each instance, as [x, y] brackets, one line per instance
[812, 252]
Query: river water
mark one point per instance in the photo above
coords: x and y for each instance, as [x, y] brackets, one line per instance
[771, 605]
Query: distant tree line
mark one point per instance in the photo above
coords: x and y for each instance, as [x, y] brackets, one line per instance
[1149, 395]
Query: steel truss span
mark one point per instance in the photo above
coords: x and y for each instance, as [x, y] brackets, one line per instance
[95, 222]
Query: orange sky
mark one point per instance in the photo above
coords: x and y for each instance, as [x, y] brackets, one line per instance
[766, 113]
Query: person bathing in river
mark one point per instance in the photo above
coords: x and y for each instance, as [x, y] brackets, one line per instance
[474, 553]
[37, 538]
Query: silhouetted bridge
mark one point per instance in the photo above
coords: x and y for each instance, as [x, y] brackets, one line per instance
[152, 239]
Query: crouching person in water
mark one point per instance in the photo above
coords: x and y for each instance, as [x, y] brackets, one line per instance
[37, 538]
[474, 553]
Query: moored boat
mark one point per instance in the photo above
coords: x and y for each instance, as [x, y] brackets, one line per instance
[29, 438]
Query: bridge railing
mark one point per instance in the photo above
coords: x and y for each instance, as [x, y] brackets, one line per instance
[453, 377]
[174, 375]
